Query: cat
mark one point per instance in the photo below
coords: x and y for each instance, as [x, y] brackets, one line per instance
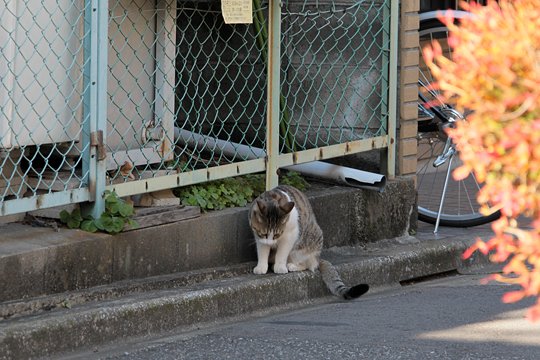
[287, 235]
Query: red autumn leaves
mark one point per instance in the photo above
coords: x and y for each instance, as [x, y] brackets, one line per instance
[494, 73]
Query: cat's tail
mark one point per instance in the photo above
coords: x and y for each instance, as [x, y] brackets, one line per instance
[336, 286]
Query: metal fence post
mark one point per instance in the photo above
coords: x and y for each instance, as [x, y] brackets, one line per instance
[95, 124]
[273, 93]
[86, 129]
[392, 83]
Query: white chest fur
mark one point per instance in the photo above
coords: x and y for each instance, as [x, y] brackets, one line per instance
[282, 244]
[292, 230]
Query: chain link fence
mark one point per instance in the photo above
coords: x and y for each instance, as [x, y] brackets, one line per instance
[41, 103]
[139, 96]
[334, 85]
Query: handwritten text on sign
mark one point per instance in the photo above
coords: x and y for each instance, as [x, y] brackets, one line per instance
[237, 11]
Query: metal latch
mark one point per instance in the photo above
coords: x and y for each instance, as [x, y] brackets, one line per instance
[96, 139]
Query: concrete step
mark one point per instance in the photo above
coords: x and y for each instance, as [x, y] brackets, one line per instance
[140, 308]
[40, 261]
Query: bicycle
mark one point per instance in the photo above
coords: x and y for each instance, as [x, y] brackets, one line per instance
[441, 199]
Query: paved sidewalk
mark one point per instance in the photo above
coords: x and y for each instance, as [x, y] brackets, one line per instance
[448, 318]
[425, 232]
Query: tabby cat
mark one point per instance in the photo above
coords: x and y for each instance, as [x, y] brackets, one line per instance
[287, 235]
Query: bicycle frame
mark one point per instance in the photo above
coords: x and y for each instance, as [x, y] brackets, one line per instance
[440, 112]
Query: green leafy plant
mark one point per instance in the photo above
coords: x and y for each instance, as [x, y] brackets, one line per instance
[294, 179]
[118, 213]
[232, 192]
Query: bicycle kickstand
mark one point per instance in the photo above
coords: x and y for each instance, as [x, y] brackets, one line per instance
[443, 195]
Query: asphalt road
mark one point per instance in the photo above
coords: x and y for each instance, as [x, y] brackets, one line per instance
[449, 318]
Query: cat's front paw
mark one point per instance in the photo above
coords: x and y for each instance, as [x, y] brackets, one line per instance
[260, 269]
[280, 269]
[293, 267]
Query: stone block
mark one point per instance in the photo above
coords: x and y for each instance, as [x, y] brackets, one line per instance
[407, 165]
[410, 6]
[409, 75]
[332, 209]
[409, 111]
[37, 261]
[22, 275]
[409, 92]
[410, 21]
[407, 147]
[384, 215]
[409, 39]
[208, 241]
[410, 57]
[158, 198]
[78, 265]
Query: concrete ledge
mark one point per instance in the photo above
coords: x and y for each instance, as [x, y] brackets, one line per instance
[40, 261]
[35, 261]
[159, 310]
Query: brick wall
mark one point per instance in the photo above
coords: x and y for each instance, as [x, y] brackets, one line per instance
[408, 88]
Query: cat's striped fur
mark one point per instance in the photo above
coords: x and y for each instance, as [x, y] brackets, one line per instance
[287, 235]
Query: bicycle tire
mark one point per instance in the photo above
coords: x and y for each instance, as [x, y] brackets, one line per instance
[430, 139]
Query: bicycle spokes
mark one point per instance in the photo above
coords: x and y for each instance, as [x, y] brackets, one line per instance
[441, 199]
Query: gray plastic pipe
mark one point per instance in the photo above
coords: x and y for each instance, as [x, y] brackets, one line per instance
[317, 169]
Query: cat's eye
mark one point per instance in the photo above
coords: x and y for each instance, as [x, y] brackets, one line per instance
[261, 235]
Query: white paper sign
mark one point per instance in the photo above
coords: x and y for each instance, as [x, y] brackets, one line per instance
[237, 11]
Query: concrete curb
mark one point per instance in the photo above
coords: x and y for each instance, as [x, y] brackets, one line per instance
[160, 310]
[41, 261]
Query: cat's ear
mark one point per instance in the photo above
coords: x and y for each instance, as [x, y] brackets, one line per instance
[287, 207]
[262, 205]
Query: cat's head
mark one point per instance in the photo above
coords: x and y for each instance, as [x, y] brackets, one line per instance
[269, 217]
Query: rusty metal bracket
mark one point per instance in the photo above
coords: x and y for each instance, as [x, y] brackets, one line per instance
[96, 140]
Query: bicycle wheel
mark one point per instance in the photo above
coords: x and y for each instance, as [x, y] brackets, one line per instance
[459, 206]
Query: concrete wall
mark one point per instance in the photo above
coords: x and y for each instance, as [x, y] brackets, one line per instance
[36, 261]
[347, 216]
[46, 263]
